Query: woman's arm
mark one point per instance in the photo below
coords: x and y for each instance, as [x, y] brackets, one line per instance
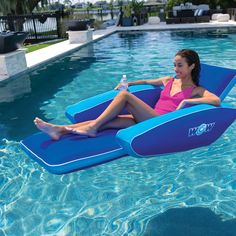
[157, 81]
[201, 96]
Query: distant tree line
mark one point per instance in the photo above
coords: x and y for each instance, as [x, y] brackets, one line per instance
[19, 7]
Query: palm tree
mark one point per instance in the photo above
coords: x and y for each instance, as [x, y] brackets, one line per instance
[18, 7]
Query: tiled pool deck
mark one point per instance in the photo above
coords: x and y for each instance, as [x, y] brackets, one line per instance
[41, 56]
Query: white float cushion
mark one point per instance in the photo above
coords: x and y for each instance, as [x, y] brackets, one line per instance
[223, 18]
[214, 16]
[153, 20]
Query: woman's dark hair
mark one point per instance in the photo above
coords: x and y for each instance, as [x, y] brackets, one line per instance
[191, 58]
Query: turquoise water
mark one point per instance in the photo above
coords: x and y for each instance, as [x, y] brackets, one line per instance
[124, 196]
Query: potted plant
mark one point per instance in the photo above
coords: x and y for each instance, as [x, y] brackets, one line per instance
[127, 16]
[77, 25]
[78, 29]
[138, 8]
[78, 22]
[11, 41]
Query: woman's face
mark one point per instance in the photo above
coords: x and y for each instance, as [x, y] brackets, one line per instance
[181, 67]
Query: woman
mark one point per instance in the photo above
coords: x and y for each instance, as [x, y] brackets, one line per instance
[177, 92]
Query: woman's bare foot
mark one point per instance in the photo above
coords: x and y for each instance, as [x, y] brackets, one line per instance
[87, 130]
[55, 132]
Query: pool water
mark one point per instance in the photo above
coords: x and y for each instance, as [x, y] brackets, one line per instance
[128, 196]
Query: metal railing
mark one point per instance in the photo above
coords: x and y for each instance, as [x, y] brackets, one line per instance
[40, 27]
[47, 26]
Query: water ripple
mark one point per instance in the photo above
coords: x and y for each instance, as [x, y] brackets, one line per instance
[120, 197]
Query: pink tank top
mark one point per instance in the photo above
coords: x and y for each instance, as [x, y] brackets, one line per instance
[168, 103]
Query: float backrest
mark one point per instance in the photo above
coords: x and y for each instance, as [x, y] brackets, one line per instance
[218, 80]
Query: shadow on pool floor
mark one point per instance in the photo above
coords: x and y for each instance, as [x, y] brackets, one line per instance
[194, 221]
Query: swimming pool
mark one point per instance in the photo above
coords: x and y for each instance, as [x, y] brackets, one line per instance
[128, 196]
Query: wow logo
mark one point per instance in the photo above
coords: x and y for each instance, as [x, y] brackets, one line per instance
[201, 129]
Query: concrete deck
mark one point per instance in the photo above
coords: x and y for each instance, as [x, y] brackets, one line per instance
[36, 58]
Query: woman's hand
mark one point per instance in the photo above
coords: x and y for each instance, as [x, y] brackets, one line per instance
[117, 87]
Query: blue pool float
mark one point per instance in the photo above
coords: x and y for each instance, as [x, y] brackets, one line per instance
[191, 127]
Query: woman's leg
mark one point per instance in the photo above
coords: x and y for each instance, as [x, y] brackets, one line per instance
[140, 111]
[120, 122]
[110, 118]
[56, 131]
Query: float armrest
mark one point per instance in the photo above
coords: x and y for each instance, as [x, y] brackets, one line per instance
[91, 108]
[177, 131]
